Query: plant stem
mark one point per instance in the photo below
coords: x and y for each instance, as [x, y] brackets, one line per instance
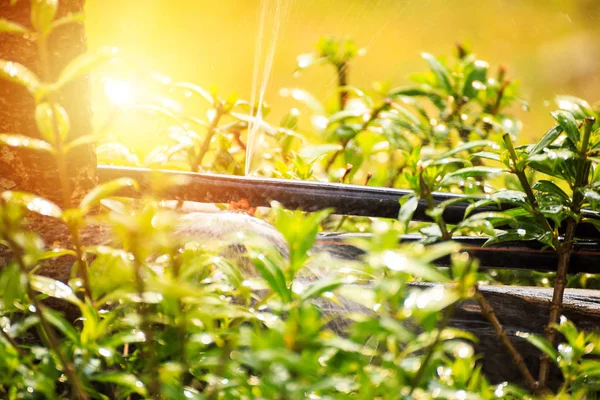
[210, 132]
[488, 313]
[146, 328]
[364, 127]
[60, 155]
[445, 319]
[342, 74]
[428, 196]
[47, 330]
[82, 264]
[13, 343]
[520, 173]
[566, 248]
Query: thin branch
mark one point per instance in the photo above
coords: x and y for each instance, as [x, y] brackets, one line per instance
[566, 249]
[488, 313]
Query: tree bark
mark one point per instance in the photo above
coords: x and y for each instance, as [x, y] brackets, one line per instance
[32, 171]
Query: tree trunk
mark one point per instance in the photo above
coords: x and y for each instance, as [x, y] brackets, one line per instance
[32, 171]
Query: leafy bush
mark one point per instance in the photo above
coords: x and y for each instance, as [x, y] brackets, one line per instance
[162, 317]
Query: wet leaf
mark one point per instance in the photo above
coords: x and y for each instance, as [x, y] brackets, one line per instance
[486, 155]
[33, 203]
[408, 206]
[105, 190]
[42, 14]
[51, 119]
[272, 273]
[195, 89]
[398, 262]
[12, 27]
[312, 152]
[16, 140]
[548, 138]
[19, 74]
[80, 141]
[60, 323]
[541, 343]
[53, 288]
[551, 188]
[469, 146]
[578, 107]
[471, 172]
[476, 79]
[83, 64]
[71, 18]
[440, 71]
[321, 286]
[127, 381]
[567, 121]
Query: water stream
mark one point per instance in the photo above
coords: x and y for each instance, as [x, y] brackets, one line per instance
[272, 15]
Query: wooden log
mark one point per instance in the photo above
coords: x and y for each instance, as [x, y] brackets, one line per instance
[522, 309]
[34, 171]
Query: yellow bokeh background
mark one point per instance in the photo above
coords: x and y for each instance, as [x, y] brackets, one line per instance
[551, 46]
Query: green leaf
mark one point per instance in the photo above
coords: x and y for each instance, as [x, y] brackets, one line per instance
[408, 206]
[345, 132]
[578, 107]
[512, 197]
[312, 152]
[105, 190]
[548, 138]
[476, 79]
[33, 203]
[567, 121]
[271, 273]
[486, 155]
[343, 115]
[42, 14]
[440, 71]
[128, 381]
[71, 18]
[321, 286]
[551, 188]
[12, 27]
[471, 172]
[469, 146]
[569, 331]
[53, 288]
[16, 140]
[60, 323]
[80, 141]
[46, 116]
[19, 74]
[300, 230]
[304, 97]
[398, 262]
[13, 285]
[83, 64]
[541, 343]
[195, 89]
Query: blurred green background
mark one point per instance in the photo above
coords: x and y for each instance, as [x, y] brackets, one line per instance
[551, 46]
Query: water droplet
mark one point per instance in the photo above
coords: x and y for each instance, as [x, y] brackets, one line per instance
[320, 122]
[206, 339]
[105, 352]
[481, 64]
[477, 85]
